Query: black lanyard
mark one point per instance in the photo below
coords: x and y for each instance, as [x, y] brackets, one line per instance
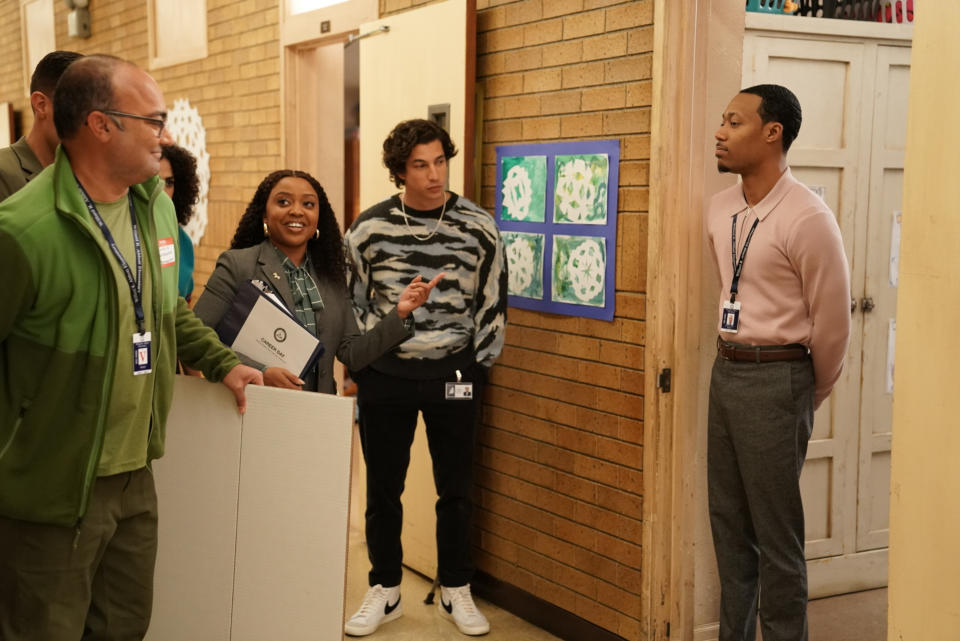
[135, 284]
[738, 265]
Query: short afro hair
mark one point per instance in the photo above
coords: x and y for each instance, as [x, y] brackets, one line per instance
[779, 104]
[49, 70]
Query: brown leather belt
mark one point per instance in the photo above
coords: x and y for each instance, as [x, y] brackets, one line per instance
[761, 353]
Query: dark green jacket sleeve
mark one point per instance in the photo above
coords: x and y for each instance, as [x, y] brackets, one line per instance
[199, 347]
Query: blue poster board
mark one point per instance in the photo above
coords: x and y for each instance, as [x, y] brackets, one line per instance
[556, 205]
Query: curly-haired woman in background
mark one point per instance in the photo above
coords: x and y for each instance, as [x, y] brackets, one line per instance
[178, 171]
[289, 239]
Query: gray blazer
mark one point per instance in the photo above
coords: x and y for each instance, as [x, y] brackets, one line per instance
[336, 323]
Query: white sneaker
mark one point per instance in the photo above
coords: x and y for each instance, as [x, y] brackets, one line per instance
[380, 605]
[457, 605]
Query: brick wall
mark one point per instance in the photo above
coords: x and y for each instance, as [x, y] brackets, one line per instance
[236, 90]
[560, 480]
[11, 65]
[560, 484]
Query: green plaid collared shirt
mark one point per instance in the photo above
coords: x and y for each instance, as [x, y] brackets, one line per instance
[306, 297]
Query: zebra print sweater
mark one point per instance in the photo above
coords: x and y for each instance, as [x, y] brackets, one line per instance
[465, 317]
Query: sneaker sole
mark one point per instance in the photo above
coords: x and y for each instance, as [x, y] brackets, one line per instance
[473, 632]
[362, 631]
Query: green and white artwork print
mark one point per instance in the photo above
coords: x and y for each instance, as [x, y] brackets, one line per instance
[524, 264]
[524, 190]
[580, 189]
[579, 270]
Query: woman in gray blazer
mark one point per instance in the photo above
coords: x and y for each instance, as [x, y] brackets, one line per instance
[289, 239]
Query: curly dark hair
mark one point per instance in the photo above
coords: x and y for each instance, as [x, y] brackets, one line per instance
[326, 252]
[186, 183]
[405, 136]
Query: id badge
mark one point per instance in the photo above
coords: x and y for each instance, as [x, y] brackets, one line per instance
[730, 318]
[142, 359]
[458, 391]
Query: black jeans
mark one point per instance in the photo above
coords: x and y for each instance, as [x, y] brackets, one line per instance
[388, 419]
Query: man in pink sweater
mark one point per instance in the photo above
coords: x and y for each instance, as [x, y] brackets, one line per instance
[784, 325]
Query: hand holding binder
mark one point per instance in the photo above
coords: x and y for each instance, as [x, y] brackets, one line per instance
[258, 327]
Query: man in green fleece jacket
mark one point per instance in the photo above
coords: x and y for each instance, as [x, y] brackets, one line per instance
[91, 327]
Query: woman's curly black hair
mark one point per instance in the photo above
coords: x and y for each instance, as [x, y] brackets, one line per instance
[186, 183]
[326, 252]
[405, 136]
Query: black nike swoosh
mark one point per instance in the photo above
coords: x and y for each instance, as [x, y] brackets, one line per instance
[447, 606]
[387, 609]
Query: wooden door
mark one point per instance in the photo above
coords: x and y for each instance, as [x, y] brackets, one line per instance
[850, 149]
[879, 302]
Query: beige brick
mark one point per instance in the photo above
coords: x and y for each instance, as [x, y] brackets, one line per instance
[553, 8]
[523, 59]
[634, 147]
[631, 14]
[627, 69]
[595, 4]
[634, 198]
[542, 80]
[640, 40]
[581, 126]
[634, 173]
[631, 305]
[640, 94]
[590, 73]
[560, 102]
[539, 33]
[492, 18]
[524, 11]
[583, 24]
[563, 53]
[501, 39]
[505, 85]
[618, 599]
[601, 98]
[627, 121]
[502, 131]
[606, 46]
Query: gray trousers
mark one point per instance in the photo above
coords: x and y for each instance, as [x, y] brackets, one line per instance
[760, 420]
[95, 583]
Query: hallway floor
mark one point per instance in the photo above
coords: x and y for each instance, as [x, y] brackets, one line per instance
[861, 616]
[420, 622]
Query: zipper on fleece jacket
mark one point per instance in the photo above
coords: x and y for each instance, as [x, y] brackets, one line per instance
[24, 406]
[111, 361]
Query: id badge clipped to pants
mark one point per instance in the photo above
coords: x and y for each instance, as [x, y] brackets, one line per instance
[458, 390]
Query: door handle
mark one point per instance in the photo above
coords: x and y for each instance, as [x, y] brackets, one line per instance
[867, 304]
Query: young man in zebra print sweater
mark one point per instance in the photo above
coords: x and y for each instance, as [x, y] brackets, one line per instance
[424, 231]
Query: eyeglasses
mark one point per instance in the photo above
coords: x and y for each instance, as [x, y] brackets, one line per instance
[159, 123]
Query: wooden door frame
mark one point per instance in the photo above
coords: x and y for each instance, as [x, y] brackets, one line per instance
[696, 70]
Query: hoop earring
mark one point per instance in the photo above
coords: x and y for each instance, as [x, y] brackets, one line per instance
[316, 234]
[266, 231]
